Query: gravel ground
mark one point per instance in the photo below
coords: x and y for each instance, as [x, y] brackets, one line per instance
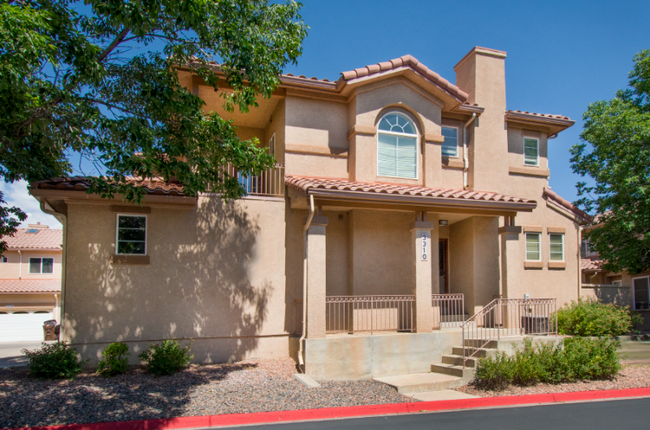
[248, 386]
[631, 376]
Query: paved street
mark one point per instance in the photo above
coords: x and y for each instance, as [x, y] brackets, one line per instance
[608, 415]
[10, 352]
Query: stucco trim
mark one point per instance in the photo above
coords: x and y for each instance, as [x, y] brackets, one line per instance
[434, 138]
[510, 229]
[136, 260]
[533, 264]
[533, 228]
[361, 129]
[451, 163]
[529, 171]
[294, 148]
[556, 229]
[557, 264]
[125, 209]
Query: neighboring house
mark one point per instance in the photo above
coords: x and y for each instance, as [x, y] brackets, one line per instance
[620, 288]
[30, 282]
[393, 185]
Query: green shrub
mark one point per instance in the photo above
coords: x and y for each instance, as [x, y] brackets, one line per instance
[115, 359]
[494, 373]
[166, 358]
[593, 318]
[53, 361]
[577, 359]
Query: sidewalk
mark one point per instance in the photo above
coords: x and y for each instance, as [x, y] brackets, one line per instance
[216, 421]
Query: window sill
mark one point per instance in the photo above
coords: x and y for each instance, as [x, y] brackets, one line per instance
[452, 163]
[533, 264]
[557, 264]
[529, 171]
[135, 260]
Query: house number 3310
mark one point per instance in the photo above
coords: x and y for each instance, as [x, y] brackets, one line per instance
[425, 245]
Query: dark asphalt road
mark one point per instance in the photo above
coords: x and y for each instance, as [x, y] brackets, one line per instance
[608, 415]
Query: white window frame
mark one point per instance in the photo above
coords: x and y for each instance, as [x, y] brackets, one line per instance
[417, 145]
[539, 242]
[524, 151]
[117, 232]
[618, 282]
[549, 247]
[3, 259]
[272, 145]
[40, 266]
[457, 141]
[634, 291]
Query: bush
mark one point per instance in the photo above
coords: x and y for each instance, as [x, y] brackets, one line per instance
[593, 318]
[115, 359]
[578, 359]
[53, 361]
[166, 358]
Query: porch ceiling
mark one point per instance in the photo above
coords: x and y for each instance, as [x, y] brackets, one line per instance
[339, 192]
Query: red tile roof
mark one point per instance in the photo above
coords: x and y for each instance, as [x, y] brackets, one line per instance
[43, 239]
[540, 114]
[30, 285]
[156, 186]
[589, 265]
[411, 62]
[566, 204]
[306, 183]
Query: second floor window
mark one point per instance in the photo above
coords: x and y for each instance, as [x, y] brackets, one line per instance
[556, 247]
[450, 145]
[397, 144]
[41, 265]
[531, 151]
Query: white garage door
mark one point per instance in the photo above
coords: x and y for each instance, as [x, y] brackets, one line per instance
[18, 327]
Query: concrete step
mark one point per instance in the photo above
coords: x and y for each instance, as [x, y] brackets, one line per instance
[474, 352]
[457, 360]
[466, 374]
[480, 343]
[421, 382]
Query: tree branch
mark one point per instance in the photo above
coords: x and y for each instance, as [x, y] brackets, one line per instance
[120, 37]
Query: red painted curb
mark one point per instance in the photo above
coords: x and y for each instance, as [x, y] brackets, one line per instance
[351, 411]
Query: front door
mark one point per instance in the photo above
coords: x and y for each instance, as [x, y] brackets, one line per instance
[443, 266]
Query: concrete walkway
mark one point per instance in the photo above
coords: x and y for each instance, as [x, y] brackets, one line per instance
[11, 352]
[635, 352]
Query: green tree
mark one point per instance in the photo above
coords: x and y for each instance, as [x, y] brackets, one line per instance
[98, 80]
[615, 153]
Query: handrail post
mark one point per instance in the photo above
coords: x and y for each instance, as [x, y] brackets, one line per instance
[372, 324]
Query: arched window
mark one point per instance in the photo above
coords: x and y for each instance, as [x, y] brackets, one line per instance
[397, 147]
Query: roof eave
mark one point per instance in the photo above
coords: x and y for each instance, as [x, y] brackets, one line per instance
[424, 201]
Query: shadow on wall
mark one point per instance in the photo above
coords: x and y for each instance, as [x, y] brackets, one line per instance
[197, 286]
[616, 296]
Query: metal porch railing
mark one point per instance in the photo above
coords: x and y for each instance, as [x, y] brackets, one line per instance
[353, 314]
[448, 310]
[270, 182]
[503, 318]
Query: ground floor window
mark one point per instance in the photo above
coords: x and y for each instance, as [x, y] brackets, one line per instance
[131, 234]
[641, 293]
[533, 247]
[41, 265]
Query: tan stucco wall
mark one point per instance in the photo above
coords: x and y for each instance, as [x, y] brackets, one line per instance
[516, 147]
[11, 269]
[215, 276]
[381, 253]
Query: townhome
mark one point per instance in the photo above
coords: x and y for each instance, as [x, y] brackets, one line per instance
[30, 282]
[401, 205]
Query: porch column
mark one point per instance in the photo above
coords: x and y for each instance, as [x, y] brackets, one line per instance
[511, 255]
[423, 247]
[316, 283]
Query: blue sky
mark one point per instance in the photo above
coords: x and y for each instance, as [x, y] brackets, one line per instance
[562, 55]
